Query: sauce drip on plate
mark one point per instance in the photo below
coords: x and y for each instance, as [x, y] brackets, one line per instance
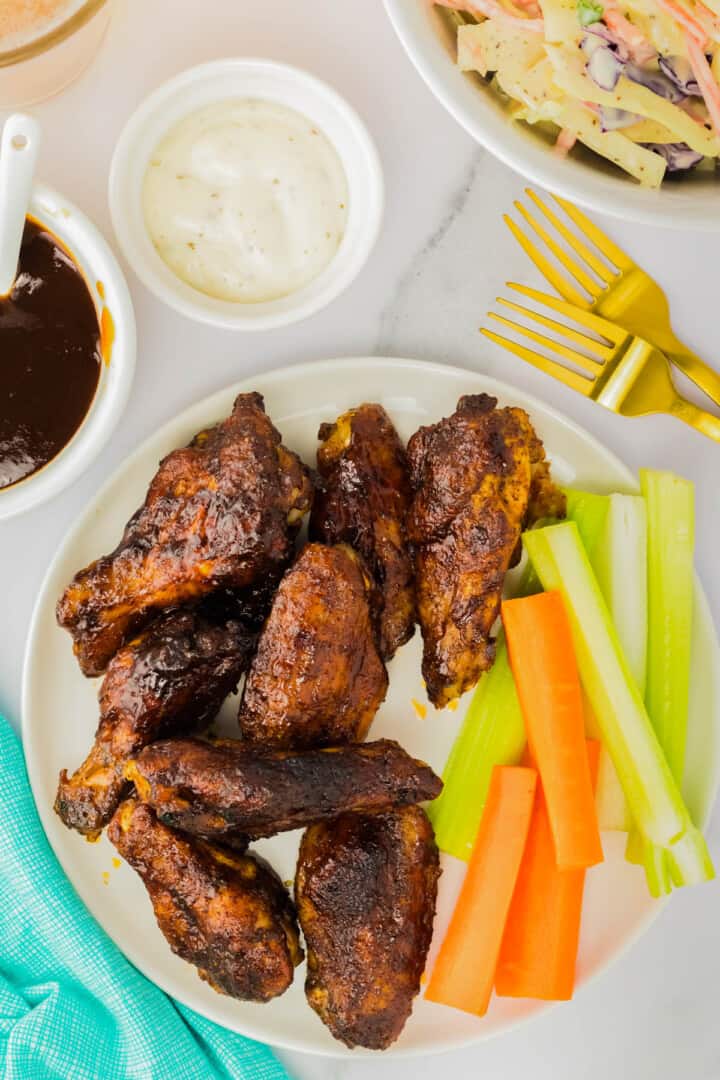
[50, 356]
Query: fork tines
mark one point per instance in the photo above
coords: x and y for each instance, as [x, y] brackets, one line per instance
[580, 268]
[591, 360]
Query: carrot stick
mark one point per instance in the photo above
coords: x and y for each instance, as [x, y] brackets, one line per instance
[539, 947]
[465, 968]
[542, 659]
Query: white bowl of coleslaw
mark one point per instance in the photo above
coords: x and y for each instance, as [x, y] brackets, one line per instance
[546, 92]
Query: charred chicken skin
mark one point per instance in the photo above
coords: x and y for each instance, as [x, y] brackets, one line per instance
[362, 499]
[213, 789]
[172, 678]
[479, 477]
[365, 890]
[220, 513]
[317, 678]
[227, 914]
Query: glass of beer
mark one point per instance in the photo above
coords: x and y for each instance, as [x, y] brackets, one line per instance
[45, 44]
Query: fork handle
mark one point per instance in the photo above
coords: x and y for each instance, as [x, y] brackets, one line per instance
[705, 377]
[697, 418]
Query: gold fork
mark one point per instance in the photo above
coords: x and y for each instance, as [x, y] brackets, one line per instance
[625, 294]
[623, 372]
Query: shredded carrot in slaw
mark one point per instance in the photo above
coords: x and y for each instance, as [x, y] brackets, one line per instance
[690, 25]
[530, 6]
[491, 9]
[709, 20]
[638, 45]
[565, 142]
[707, 13]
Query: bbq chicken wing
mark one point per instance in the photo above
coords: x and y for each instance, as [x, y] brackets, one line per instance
[227, 914]
[362, 499]
[316, 678]
[479, 477]
[172, 678]
[220, 513]
[365, 890]
[212, 789]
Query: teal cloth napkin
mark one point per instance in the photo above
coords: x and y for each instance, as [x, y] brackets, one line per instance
[71, 1006]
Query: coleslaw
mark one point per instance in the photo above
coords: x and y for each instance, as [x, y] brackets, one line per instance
[637, 81]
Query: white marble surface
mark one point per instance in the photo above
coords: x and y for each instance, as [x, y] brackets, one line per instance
[442, 257]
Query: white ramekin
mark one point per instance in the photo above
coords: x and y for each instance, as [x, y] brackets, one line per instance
[269, 81]
[110, 293]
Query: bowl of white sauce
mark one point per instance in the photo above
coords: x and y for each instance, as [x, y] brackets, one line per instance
[246, 193]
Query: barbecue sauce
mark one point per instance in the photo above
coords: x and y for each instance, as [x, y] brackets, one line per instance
[50, 356]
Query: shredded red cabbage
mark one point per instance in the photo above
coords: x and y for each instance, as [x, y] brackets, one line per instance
[679, 156]
[655, 80]
[615, 119]
[609, 58]
[600, 30]
[604, 68]
[679, 71]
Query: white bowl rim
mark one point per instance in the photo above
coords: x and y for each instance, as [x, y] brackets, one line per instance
[227, 314]
[615, 195]
[75, 229]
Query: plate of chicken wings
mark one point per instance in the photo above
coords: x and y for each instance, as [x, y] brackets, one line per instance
[243, 690]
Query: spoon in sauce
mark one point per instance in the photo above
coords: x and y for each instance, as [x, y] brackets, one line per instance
[18, 155]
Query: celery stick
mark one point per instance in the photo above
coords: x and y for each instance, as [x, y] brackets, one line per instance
[493, 733]
[654, 798]
[671, 520]
[589, 512]
[635, 849]
[600, 530]
[658, 870]
[612, 809]
[671, 538]
[620, 565]
[562, 563]
[689, 859]
[656, 861]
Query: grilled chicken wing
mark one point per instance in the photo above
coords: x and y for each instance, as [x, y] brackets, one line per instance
[479, 477]
[220, 513]
[227, 914]
[316, 678]
[365, 890]
[211, 789]
[363, 499]
[172, 678]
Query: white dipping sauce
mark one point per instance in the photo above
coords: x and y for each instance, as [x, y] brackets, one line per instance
[245, 200]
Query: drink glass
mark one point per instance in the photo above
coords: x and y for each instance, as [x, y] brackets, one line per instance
[45, 45]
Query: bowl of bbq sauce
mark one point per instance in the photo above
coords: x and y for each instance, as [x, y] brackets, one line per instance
[67, 353]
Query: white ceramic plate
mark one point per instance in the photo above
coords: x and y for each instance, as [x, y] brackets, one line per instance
[60, 707]
[584, 177]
